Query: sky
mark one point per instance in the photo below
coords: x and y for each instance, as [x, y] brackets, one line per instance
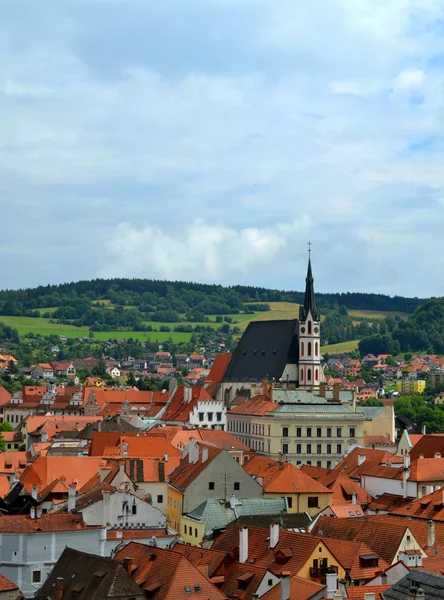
[210, 140]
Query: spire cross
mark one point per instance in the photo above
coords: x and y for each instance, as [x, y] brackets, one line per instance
[309, 244]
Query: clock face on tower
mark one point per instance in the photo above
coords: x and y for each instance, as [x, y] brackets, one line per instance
[302, 329]
[316, 329]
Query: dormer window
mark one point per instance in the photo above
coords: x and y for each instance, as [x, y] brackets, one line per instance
[368, 561]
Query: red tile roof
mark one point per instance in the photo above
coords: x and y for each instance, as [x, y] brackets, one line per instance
[219, 367]
[187, 472]
[180, 409]
[372, 457]
[10, 462]
[50, 522]
[302, 589]
[62, 470]
[427, 507]
[213, 559]
[427, 446]
[348, 553]
[339, 483]
[282, 477]
[6, 585]
[358, 593]
[259, 405]
[144, 446]
[5, 396]
[179, 437]
[167, 575]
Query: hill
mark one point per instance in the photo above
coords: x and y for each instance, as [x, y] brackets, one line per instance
[422, 331]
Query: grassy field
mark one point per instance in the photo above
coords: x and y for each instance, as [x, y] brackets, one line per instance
[342, 347]
[377, 314]
[50, 310]
[43, 327]
[143, 336]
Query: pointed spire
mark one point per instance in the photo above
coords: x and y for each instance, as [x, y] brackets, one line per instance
[309, 299]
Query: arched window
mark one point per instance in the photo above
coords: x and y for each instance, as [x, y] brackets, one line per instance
[309, 328]
[302, 374]
[309, 375]
[309, 348]
[302, 348]
[317, 374]
[316, 349]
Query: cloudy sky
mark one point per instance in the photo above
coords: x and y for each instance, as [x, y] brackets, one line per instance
[211, 139]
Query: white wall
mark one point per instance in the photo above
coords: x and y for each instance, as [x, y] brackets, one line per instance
[206, 407]
[376, 486]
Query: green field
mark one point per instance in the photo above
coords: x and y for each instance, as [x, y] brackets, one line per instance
[377, 314]
[340, 348]
[143, 336]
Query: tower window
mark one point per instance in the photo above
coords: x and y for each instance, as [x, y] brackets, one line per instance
[317, 374]
[302, 348]
[309, 375]
[302, 374]
[309, 328]
[309, 348]
[316, 349]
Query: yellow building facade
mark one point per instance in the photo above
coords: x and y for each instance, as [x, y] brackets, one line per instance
[175, 505]
[410, 386]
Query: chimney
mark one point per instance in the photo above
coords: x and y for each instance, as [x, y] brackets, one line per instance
[406, 461]
[72, 492]
[369, 596]
[361, 459]
[99, 425]
[332, 585]
[416, 593]
[430, 534]
[437, 454]
[338, 596]
[323, 389]
[127, 564]
[419, 559]
[336, 392]
[285, 585]
[424, 430]
[34, 492]
[274, 534]
[243, 544]
[165, 457]
[354, 498]
[38, 512]
[59, 588]
[405, 476]
[204, 455]
[32, 513]
[187, 394]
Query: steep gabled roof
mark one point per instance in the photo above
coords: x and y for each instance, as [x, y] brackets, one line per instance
[219, 367]
[282, 477]
[350, 464]
[258, 405]
[187, 472]
[339, 483]
[263, 351]
[167, 575]
[89, 577]
[432, 584]
[427, 446]
[300, 588]
[428, 507]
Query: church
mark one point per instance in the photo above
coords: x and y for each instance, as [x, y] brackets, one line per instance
[286, 351]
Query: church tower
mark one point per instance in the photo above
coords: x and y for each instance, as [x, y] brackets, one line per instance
[309, 337]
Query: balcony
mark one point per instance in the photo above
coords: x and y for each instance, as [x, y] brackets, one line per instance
[321, 572]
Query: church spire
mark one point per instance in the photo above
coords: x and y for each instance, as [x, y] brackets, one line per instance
[309, 298]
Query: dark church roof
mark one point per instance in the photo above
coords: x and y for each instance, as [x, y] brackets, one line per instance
[432, 584]
[309, 298]
[263, 351]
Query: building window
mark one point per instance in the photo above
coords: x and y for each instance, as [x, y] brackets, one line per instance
[211, 485]
[313, 502]
[210, 416]
[309, 348]
[302, 374]
[195, 533]
[319, 432]
[338, 448]
[298, 448]
[36, 577]
[309, 328]
[328, 431]
[338, 431]
[298, 432]
[302, 348]
[134, 509]
[308, 431]
[219, 416]
[289, 502]
[328, 464]
[284, 448]
[308, 448]
[316, 374]
[201, 416]
[237, 485]
[319, 448]
[184, 528]
[352, 432]
[309, 375]
[284, 431]
[159, 499]
[328, 448]
[316, 349]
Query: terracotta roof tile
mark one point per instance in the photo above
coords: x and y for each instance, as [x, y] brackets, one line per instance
[63, 469]
[350, 464]
[282, 477]
[49, 522]
[5, 396]
[428, 507]
[187, 472]
[6, 584]
[427, 446]
[348, 553]
[358, 593]
[259, 405]
[302, 589]
[219, 367]
[339, 483]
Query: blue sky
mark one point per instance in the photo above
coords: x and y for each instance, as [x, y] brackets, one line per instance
[211, 139]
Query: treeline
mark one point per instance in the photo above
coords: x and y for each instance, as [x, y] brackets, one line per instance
[422, 331]
[151, 296]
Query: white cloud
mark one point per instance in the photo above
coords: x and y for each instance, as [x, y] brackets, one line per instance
[409, 79]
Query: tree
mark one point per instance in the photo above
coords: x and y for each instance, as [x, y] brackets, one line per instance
[373, 402]
[12, 368]
[6, 426]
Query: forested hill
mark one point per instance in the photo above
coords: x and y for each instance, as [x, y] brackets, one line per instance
[423, 330]
[182, 297]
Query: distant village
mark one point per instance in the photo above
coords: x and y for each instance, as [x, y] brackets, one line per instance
[271, 472]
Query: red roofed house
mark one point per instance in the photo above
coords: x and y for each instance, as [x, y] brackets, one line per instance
[282, 479]
[8, 589]
[32, 543]
[206, 472]
[194, 406]
[43, 371]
